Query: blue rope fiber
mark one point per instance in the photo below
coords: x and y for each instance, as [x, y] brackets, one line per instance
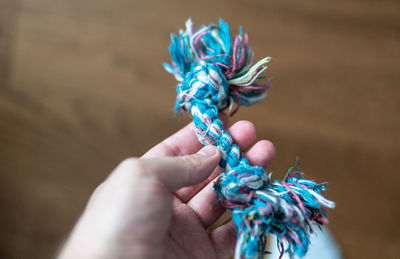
[213, 75]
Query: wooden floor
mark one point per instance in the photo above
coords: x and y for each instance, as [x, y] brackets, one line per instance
[82, 87]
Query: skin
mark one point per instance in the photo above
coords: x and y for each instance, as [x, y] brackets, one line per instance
[162, 204]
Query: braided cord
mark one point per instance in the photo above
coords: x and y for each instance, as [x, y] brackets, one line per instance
[213, 75]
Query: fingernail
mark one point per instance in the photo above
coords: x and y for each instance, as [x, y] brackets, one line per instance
[208, 151]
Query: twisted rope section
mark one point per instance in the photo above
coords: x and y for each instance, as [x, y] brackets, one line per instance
[213, 76]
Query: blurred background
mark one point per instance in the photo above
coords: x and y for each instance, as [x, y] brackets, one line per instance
[82, 87]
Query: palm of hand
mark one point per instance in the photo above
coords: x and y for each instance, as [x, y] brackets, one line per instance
[187, 237]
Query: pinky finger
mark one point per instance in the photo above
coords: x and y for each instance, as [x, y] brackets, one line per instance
[224, 239]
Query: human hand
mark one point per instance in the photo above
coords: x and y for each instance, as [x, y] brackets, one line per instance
[162, 204]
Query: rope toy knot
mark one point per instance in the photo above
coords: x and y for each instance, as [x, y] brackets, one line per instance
[209, 68]
[204, 83]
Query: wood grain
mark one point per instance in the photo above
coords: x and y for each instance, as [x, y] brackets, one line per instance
[82, 87]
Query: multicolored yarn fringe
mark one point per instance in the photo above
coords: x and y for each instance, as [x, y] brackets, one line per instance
[213, 74]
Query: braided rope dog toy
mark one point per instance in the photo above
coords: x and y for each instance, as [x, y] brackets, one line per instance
[213, 75]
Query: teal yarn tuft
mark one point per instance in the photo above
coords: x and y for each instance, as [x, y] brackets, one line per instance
[215, 74]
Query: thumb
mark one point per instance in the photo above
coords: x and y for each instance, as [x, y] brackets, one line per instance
[181, 171]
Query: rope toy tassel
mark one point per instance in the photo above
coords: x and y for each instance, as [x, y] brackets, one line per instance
[213, 74]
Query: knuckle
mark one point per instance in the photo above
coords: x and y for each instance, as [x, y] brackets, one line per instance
[128, 162]
[131, 165]
[96, 192]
